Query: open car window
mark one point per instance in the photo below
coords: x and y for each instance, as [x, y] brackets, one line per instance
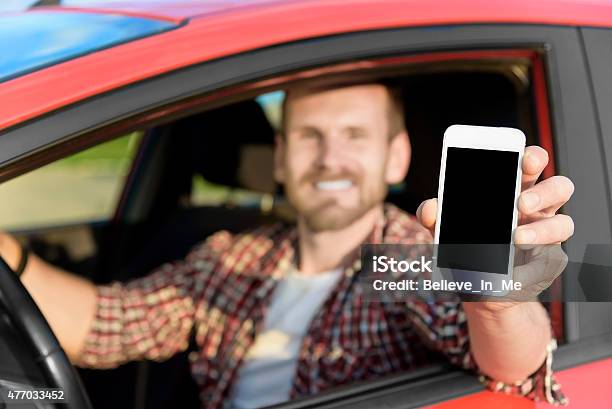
[218, 170]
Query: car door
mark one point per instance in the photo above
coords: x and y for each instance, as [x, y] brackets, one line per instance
[566, 111]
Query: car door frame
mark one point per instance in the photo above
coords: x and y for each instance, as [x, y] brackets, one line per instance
[571, 113]
[593, 318]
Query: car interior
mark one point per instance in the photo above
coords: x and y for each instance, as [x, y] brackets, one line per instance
[230, 146]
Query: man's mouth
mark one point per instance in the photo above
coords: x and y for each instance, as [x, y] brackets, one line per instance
[334, 185]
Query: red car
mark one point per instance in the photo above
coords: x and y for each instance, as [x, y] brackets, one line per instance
[183, 98]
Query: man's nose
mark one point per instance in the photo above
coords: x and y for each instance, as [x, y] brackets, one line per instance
[331, 152]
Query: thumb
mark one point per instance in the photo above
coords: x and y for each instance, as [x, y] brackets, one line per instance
[426, 214]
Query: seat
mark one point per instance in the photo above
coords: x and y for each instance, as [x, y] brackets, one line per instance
[230, 146]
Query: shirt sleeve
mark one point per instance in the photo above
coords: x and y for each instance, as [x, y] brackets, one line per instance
[150, 317]
[443, 327]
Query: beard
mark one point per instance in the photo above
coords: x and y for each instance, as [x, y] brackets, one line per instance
[328, 214]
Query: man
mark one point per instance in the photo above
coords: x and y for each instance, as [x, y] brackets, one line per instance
[277, 312]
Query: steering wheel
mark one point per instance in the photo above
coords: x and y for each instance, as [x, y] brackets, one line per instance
[28, 320]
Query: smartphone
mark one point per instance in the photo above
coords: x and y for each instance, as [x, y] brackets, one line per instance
[480, 181]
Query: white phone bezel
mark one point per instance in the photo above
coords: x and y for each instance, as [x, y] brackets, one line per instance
[488, 138]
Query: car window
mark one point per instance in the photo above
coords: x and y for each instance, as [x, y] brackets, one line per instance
[220, 158]
[272, 102]
[80, 188]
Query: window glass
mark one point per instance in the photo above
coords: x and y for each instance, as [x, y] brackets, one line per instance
[272, 103]
[82, 187]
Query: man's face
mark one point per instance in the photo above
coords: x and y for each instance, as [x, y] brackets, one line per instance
[336, 159]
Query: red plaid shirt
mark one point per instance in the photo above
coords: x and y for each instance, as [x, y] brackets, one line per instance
[222, 290]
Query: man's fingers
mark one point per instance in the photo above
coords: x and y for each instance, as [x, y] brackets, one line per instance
[547, 196]
[535, 160]
[545, 265]
[427, 213]
[551, 230]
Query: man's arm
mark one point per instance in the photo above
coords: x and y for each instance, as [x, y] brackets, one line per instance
[105, 326]
[499, 342]
[67, 301]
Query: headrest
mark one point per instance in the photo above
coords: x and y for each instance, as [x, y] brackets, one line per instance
[231, 146]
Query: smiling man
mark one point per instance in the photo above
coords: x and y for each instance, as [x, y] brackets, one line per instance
[277, 312]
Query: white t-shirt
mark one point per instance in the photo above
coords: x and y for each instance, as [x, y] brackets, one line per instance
[267, 373]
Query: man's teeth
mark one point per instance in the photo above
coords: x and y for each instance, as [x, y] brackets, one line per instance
[334, 184]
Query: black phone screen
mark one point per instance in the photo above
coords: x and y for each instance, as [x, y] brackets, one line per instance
[477, 209]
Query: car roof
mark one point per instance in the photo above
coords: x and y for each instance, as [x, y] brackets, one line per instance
[177, 9]
[207, 30]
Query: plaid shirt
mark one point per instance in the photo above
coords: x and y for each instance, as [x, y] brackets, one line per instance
[222, 289]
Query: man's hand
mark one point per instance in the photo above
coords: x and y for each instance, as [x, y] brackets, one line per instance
[68, 302]
[539, 224]
[498, 328]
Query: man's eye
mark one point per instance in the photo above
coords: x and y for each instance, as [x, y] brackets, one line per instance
[310, 134]
[357, 134]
